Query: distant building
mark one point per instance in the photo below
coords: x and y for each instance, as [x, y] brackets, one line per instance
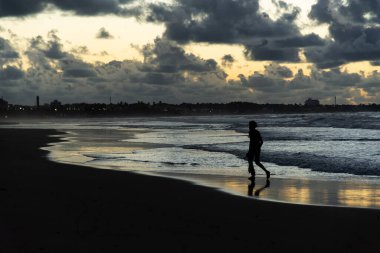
[312, 102]
[38, 101]
[3, 104]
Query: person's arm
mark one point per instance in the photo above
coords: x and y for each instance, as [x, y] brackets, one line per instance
[260, 139]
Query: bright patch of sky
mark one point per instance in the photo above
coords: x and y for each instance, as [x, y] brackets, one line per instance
[306, 25]
[77, 31]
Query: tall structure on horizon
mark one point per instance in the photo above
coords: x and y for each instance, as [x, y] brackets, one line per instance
[38, 101]
[3, 104]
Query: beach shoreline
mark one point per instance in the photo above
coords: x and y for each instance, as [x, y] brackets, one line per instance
[53, 207]
[324, 189]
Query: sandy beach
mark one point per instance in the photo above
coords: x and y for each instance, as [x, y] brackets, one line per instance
[52, 207]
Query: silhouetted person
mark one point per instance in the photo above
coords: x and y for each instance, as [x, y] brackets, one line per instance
[255, 143]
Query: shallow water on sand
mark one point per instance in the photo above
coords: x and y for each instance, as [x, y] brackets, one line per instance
[314, 158]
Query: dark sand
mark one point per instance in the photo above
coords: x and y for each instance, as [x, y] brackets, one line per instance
[51, 207]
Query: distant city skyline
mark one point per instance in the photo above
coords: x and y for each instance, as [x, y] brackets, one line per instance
[122, 109]
[190, 51]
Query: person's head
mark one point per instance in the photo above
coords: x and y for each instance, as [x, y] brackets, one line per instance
[252, 124]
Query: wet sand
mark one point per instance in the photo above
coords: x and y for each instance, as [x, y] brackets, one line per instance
[348, 192]
[51, 207]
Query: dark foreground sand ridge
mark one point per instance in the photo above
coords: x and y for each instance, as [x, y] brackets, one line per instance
[51, 207]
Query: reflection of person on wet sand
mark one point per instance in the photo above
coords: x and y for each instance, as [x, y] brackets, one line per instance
[253, 154]
[258, 191]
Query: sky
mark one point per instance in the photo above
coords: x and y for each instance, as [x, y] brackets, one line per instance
[175, 51]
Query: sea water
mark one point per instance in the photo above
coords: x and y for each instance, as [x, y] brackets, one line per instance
[337, 147]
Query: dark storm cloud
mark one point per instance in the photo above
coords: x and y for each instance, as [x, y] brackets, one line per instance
[275, 70]
[268, 53]
[10, 73]
[79, 72]
[354, 11]
[92, 7]
[103, 34]
[159, 78]
[349, 44]
[322, 11]
[20, 7]
[301, 41]
[73, 67]
[337, 78]
[282, 50]
[166, 56]
[266, 84]
[166, 63]
[354, 32]
[224, 21]
[271, 81]
[235, 22]
[81, 7]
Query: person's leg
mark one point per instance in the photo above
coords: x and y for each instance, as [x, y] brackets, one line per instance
[251, 169]
[258, 163]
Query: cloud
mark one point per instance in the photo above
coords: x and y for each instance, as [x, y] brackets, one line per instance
[166, 56]
[19, 8]
[323, 11]
[167, 73]
[79, 72]
[349, 11]
[308, 40]
[52, 49]
[266, 52]
[7, 52]
[240, 22]
[324, 85]
[80, 50]
[276, 70]
[228, 60]
[103, 34]
[224, 21]
[170, 74]
[354, 32]
[235, 22]
[10, 73]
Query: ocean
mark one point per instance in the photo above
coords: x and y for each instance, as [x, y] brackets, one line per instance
[334, 151]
